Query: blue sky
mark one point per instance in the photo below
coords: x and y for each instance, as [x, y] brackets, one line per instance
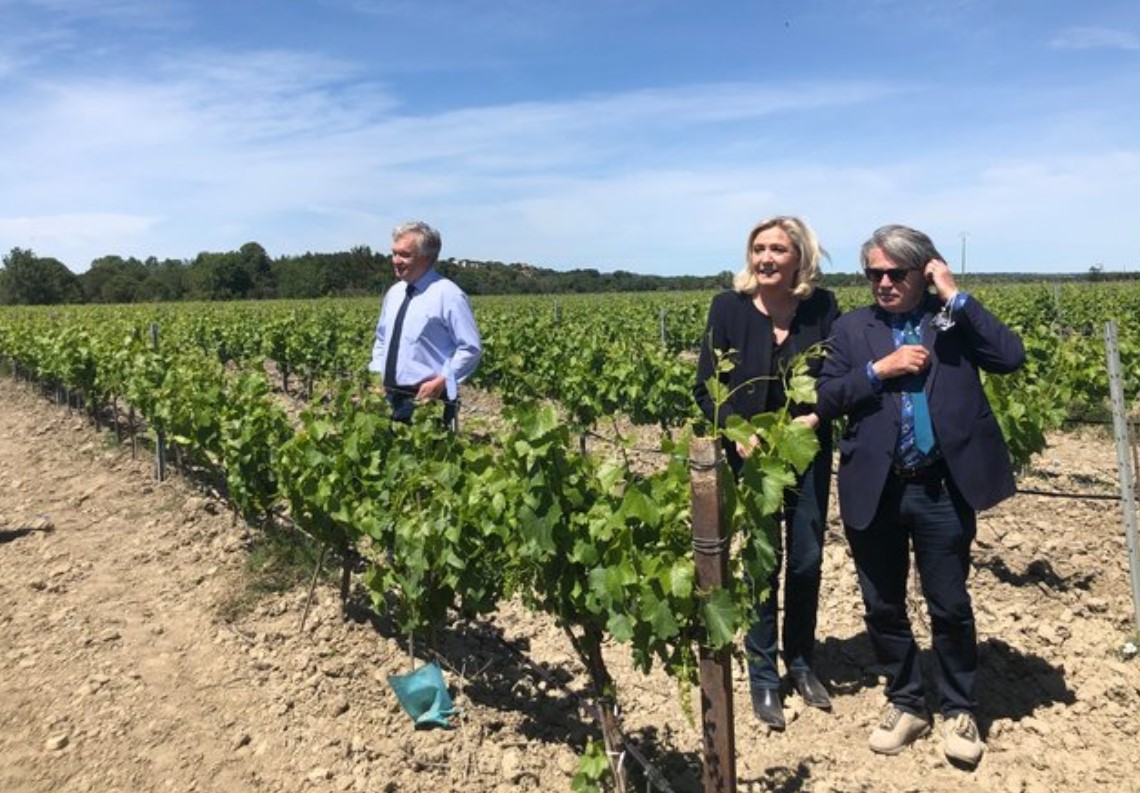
[644, 135]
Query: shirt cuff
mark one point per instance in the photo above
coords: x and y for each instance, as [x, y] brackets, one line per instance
[873, 378]
[450, 382]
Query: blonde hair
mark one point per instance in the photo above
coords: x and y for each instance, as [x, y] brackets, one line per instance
[808, 273]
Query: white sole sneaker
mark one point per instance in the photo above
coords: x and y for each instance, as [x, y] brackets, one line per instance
[961, 742]
[897, 730]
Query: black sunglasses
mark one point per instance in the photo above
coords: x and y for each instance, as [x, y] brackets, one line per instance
[897, 275]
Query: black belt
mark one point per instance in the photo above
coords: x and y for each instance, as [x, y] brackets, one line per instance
[931, 472]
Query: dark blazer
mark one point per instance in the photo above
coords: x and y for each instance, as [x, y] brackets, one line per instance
[968, 435]
[734, 323]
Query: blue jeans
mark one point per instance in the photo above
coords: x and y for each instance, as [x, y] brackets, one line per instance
[933, 516]
[805, 519]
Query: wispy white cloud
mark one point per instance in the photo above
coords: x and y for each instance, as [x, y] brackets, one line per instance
[42, 37]
[1030, 214]
[233, 148]
[497, 20]
[61, 235]
[127, 13]
[227, 144]
[1095, 38]
[208, 143]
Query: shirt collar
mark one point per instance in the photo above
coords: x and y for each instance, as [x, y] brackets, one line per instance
[425, 280]
[899, 320]
[915, 315]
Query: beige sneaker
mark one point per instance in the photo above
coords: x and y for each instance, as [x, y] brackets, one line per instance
[897, 730]
[961, 741]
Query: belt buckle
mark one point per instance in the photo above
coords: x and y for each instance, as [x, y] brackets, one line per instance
[921, 472]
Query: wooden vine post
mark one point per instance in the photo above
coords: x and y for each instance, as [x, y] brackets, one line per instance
[710, 547]
[159, 435]
[1123, 463]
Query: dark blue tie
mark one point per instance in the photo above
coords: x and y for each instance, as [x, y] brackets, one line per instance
[394, 341]
[923, 430]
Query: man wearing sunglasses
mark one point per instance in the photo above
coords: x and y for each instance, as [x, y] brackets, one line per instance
[920, 455]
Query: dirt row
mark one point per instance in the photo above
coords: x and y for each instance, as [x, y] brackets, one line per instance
[128, 665]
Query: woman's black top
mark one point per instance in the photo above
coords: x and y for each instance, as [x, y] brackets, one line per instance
[734, 323]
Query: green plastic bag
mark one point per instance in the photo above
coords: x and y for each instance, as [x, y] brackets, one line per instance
[423, 694]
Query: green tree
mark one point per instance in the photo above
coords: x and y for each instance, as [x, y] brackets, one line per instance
[165, 280]
[112, 279]
[300, 277]
[255, 261]
[220, 276]
[27, 279]
[365, 271]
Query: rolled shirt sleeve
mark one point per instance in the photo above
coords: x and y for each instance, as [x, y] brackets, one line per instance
[468, 344]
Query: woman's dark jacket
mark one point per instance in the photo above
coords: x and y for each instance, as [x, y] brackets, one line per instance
[734, 323]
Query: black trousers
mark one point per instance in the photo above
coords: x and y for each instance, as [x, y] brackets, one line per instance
[805, 521]
[931, 514]
[403, 403]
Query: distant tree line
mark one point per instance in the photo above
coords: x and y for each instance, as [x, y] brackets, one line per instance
[244, 274]
[250, 274]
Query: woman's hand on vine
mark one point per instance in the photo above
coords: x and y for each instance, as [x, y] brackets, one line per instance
[746, 449]
[811, 419]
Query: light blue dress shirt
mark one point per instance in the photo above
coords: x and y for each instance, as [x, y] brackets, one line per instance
[439, 336]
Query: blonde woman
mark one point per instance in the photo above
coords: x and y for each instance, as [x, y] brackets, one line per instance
[774, 311]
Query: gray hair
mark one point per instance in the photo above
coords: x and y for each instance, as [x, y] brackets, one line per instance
[907, 248]
[428, 241]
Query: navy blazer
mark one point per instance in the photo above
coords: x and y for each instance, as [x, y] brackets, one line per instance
[968, 434]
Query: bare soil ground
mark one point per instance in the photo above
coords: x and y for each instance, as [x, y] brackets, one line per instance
[124, 669]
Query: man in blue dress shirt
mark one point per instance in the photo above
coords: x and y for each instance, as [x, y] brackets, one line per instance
[427, 342]
[920, 454]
